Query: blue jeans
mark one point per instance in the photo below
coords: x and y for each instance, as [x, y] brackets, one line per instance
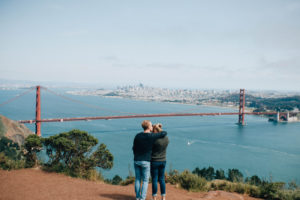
[142, 173]
[158, 174]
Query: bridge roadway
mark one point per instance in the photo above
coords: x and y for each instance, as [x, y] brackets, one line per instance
[144, 116]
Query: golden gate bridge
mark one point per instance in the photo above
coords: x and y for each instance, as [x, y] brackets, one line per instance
[241, 113]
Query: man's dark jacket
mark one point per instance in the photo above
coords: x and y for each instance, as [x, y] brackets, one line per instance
[142, 145]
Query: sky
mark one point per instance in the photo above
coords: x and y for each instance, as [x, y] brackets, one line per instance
[252, 44]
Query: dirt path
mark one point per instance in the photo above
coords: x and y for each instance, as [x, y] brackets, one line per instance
[34, 184]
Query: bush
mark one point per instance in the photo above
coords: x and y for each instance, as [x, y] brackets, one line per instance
[234, 175]
[33, 145]
[172, 177]
[9, 148]
[129, 180]
[271, 190]
[220, 185]
[292, 185]
[253, 185]
[253, 180]
[9, 164]
[254, 192]
[289, 195]
[10, 155]
[239, 188]
[116, 180]
[94, 175]
[208, 174]
[192, 182]
[234, 187]
[220, 174]
[71, 153]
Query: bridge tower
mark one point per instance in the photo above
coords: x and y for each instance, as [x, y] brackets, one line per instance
[38, 111]
[242, 107]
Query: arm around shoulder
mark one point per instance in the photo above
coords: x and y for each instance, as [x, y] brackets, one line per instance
[161, 134]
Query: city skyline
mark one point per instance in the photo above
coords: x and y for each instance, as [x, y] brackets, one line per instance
[172, 44]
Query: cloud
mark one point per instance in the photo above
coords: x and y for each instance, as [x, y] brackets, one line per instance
[74, 33]
[56, 7]
[287, 66]
[294, 6]
[110, 58]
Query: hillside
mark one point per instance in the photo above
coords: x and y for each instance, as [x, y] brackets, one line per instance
[31, 184]
[263, 104]
[13, 130]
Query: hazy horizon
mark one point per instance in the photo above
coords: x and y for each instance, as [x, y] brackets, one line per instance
[78, 85]
[214, 44]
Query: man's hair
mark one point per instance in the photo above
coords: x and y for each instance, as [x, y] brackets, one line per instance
[146, 124]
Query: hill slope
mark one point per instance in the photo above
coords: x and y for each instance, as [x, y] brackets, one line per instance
[31, 184]
[13, 130]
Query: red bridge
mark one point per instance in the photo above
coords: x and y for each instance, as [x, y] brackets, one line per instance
[241, 114]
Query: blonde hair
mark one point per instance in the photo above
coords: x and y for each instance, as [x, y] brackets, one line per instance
[146, 124]
[157, 128]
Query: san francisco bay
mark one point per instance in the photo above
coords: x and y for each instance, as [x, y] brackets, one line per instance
[261, 147]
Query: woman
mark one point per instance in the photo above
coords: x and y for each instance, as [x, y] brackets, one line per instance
[158, 163]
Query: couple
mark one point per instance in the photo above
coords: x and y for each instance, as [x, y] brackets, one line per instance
[149, 149]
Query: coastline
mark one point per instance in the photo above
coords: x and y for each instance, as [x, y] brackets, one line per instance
[212, 103]
[218, 105]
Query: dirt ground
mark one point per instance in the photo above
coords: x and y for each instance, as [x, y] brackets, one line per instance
[34, 184]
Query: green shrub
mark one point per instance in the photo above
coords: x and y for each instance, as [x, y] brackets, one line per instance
[10, 149]
[228, 186]
[59, 167]
[254, 192]
[71, 153]
[271, 190]
[208, 174]
[9, 164]
[222, 186]
[129, 180]
[220, 174]
[292, 185]
[93, 175]
[234, 175]
[192, 182]
[289, 194]
[172, 177]
[33, 145]
[10, 155]
[254, 180]
[116, 180]
[239, 188]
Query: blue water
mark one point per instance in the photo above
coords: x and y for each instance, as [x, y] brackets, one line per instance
[262, 148]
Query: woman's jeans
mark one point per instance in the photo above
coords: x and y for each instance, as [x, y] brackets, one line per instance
[142, 173]
[158, 174]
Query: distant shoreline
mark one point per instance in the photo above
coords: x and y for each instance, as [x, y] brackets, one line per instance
[220, 105]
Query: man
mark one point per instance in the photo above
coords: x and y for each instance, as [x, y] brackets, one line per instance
[142, 150]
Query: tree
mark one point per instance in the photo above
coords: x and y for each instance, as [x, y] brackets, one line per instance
[72, 151]
[102, 157]
[292, 185]
[235, 175]
[10, 155]
[116, 180]
[208, 173]
[33, 145]
[254, 180]
[9, 148]
[220, 174]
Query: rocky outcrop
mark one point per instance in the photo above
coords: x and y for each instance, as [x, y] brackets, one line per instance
[13, 130]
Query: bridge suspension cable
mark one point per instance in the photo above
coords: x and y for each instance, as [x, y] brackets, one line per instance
[18, 96]
[84, 103]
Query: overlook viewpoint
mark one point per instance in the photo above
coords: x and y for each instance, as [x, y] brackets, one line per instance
[35, 184]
